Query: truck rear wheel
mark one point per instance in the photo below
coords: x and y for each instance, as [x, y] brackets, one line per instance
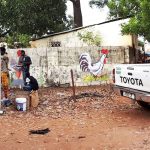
[145, 105]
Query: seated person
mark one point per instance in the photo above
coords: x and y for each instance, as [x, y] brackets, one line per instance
[31, 84]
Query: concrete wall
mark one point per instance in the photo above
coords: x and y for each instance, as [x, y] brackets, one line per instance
[52, 65]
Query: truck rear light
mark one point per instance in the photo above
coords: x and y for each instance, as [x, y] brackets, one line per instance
[113, 75]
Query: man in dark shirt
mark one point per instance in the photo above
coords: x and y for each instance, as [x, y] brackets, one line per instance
[25, 62]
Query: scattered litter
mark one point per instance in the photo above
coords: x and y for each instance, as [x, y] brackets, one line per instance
[19, 141]
[42, 131]
[57, 102]
[85, 94]
[2, 112]
[60, 94]
[81, 137]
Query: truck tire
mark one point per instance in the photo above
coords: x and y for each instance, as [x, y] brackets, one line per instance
[145, 105]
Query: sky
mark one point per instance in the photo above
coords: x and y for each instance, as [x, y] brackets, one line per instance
[89, 15]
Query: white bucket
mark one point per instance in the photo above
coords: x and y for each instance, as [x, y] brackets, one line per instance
[21, 104]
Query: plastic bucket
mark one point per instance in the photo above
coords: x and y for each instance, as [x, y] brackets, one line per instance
[21, 104]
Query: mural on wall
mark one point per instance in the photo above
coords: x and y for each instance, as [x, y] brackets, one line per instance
[96, 70]
[15, 73]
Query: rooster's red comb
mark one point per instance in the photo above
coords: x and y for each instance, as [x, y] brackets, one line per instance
[104, 51]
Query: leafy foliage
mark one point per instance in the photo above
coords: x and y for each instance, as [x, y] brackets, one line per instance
[23, 40]
[98, 3]
[90, 38]
[25, 18]
[35, 16]
[28, 17]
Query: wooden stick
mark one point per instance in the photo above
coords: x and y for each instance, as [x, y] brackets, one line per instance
[73, 87]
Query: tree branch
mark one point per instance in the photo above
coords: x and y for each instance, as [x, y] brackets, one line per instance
[73, 1]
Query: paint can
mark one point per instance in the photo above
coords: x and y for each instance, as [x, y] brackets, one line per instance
[21, 104]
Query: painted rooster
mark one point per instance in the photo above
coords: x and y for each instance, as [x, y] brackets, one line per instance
[87, 66]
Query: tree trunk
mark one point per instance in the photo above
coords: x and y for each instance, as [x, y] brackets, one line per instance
[77, 13]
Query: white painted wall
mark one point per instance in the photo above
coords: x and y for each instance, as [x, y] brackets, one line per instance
[53, 65]
[110, 33]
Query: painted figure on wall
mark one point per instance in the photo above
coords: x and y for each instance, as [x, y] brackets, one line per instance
[95, 69]
[16, 71]
[15, 66]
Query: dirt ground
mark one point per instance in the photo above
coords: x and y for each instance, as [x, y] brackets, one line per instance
[98, 120]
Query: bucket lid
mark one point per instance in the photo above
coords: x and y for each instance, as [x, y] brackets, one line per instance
[21, 100]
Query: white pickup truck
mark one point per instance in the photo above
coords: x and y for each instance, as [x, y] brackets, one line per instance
[133, 81]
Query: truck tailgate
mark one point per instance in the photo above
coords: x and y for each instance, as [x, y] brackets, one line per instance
[135, 76]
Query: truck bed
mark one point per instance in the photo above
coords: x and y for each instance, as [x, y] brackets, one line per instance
[134, 76]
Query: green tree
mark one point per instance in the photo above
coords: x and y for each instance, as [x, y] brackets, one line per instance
[2, 18]
[90, 38]
[33, 16]
[98, 3]
[18, 40]
[138, 10]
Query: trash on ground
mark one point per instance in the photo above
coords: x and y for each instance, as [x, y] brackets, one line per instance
[42, 131]
[2, 112]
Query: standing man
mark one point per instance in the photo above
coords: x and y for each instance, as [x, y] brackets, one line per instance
[4, 72]
[25, 62]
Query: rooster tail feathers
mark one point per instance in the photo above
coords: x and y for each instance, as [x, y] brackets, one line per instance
[85, 61]
[84, 66]
[87, 56]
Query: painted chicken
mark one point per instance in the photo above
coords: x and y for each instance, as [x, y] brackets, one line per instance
[87, 66]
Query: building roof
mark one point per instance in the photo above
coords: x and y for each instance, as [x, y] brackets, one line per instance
[75, 29]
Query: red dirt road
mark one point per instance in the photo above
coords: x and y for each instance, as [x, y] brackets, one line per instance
[91, 123]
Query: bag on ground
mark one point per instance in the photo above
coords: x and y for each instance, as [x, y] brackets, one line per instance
[34, 97]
